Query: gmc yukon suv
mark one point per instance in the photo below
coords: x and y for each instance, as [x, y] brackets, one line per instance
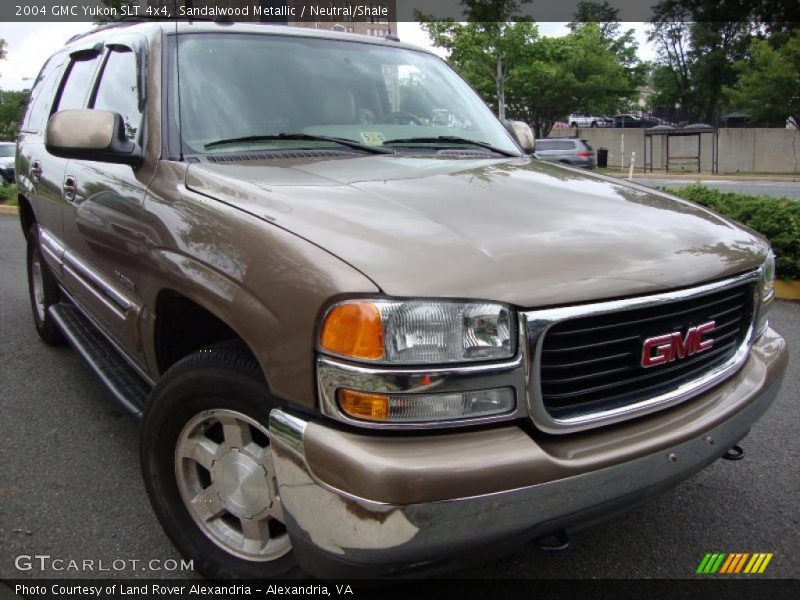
[365, 331]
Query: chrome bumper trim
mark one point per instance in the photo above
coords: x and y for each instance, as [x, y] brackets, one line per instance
[538, 322]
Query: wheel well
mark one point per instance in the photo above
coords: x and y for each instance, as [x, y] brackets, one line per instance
[26, 216]
[183, 327]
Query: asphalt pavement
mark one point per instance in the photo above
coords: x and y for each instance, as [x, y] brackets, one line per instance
[777, 189]
[70, 485]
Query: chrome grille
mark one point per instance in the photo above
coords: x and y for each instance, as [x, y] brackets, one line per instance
[591, 365]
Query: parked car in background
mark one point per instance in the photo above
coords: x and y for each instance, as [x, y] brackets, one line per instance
[628, 120]
[587, 121]
[567, 151]
[8, 152]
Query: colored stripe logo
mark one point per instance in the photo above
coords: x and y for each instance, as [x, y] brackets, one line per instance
[734, 563]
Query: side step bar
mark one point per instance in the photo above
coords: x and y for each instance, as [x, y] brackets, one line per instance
[127, 386]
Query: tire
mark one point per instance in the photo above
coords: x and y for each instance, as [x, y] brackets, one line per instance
[203, 401]
[43, 292]
[574, 125]
[594, 124]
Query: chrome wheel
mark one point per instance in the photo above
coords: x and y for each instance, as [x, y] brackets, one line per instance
[226, 478]
[37, 284]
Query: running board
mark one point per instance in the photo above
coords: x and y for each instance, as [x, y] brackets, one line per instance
[127, 386]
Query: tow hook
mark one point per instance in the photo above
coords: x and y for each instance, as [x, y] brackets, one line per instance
[554, 542]
[735, 453]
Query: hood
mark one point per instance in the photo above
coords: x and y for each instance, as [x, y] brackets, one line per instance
[514, 230]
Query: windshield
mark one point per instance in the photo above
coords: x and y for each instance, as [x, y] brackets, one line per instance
[239, 86]
[7, 150]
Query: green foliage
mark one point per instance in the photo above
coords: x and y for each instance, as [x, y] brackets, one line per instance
[485, 53]
[540, 80]
[12, 109]
[8, 194]
[777, 219]
[769, 82]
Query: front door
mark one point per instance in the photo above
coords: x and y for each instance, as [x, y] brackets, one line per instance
[103, 211]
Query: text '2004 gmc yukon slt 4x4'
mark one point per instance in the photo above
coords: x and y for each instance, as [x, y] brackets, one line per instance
[367, 333]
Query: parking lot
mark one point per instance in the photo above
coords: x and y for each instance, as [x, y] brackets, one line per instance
[70, 485]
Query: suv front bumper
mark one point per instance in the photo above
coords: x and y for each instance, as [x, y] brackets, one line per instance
[402, 505]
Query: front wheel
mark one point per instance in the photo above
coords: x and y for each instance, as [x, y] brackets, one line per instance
[208, 469]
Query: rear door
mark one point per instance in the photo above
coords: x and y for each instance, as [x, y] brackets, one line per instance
[38, 174]
[103, 211]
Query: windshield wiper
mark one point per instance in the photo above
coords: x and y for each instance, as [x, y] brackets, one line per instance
[451, 139]
[300, 136]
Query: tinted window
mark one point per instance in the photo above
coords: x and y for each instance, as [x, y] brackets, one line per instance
[79, 78]
[554, 145]
[7, 150]
[119, 89]
[42, 95]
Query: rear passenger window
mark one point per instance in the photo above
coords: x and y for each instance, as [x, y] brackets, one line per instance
[42, 95]
[76, 88]
[119, 89]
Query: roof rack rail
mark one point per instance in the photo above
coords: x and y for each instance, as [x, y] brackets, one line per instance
[132, 20]
[103, 27]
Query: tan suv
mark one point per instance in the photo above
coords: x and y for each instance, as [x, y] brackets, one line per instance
[365, 331]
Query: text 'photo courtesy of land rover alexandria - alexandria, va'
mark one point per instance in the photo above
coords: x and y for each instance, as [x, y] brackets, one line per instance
[367, 333]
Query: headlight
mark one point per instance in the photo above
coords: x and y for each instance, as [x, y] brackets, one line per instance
[767, 293]
[418, 331]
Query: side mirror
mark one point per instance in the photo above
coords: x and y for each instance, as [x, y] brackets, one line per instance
[522, 133]
[87, 134]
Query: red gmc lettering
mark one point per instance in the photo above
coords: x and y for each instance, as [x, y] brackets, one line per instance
[666, 348]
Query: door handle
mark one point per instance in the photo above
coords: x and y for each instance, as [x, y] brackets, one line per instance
[70, 188]
[36, 170]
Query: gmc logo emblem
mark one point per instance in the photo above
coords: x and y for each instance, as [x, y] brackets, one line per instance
[666, 348]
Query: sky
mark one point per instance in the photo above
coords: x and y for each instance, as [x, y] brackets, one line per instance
[30, 44]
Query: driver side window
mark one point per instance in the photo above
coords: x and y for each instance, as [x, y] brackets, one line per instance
[118, 90]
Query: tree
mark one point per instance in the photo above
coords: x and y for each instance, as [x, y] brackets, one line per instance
[485, 53]
[601, 20]
[487, 46]
[699, 41]
[768, 86]
[12, 109]
[561, 75]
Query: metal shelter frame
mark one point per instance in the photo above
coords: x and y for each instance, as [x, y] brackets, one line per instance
[666, 132]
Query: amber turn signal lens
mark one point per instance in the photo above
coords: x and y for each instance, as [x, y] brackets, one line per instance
[371, 407]
[353, 329]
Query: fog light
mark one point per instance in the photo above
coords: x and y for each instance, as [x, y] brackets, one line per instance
[415, 408]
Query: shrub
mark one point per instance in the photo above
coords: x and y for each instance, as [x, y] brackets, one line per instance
[777, 219]
[8, 194]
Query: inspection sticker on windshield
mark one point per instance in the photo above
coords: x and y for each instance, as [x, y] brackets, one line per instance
[372, 138]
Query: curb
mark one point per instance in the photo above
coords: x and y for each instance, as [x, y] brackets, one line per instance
[787, 290]
[9, 210]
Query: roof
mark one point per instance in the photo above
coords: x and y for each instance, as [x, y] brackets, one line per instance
[181, 27]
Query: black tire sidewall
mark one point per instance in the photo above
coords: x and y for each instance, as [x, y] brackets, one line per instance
[175, 401]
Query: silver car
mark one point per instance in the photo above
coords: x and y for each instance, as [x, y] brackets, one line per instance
[568, 151]
[8, 151]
